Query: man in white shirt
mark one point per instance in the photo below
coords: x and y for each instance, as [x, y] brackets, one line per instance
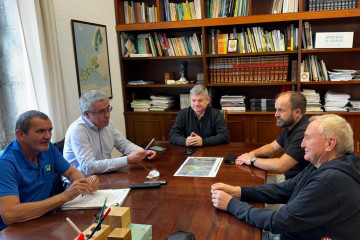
[90, 140]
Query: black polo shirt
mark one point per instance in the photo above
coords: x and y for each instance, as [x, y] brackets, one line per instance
[290, 141]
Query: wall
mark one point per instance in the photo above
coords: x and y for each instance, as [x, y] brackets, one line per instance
[95, 11]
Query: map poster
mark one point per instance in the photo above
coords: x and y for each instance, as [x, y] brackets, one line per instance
[199, 167]
[91, 57]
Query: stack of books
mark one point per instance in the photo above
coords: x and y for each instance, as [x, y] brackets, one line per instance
[316, 69]
[184, 100]
[233, 103]
[335, 101]
[313, 100]
[262, 104]
[161, 103]
[182, 11]
[140, 105]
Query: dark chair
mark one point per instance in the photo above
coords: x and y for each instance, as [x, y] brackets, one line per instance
[58, 184]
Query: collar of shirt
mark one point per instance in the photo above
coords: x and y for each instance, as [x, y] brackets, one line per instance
[90, 124]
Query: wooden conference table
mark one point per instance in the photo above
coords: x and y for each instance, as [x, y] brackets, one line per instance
[183, 204]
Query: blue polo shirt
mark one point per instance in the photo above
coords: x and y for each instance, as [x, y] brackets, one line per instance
[23, 178]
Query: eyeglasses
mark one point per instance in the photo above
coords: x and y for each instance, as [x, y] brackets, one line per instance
[104, 111]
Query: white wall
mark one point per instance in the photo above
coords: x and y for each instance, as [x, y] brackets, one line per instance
[95, 11]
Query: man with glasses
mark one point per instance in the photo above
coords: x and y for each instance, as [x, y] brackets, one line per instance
[90, 140]
[290, 115]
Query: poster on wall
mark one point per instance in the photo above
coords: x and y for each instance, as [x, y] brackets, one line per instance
[91, 57]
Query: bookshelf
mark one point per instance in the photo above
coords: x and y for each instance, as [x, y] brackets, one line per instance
[244, 126]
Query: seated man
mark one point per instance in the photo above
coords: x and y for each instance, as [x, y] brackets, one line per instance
[90, 140]
[321, 201]
[200, 124]
[290, 115]
[28, 166]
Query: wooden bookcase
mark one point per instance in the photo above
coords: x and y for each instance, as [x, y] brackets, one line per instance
[244, 126]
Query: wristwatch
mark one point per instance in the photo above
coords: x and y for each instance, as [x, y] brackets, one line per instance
[252, 160]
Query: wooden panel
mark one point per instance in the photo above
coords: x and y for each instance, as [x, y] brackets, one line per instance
[239, 127]
[169, 122]
[142, 128]
[357, 135]
[264, 129]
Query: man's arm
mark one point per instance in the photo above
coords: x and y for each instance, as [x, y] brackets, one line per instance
[222, 133]
[13, 211]
[276, 165]
[177, 132]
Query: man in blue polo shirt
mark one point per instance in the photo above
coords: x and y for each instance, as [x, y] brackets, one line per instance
[28, 165]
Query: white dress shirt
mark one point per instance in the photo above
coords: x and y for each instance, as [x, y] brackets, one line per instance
[88, 148]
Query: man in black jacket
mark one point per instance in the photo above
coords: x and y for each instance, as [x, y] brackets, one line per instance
[321, 201]
[200, 124]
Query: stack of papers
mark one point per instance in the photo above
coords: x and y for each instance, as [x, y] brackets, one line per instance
[355, 106]
[140, 105]
[233, 103]
[313, 100]
[115, 197]
[140, 82]
[161, 103]
[335, 101]
[341, 74]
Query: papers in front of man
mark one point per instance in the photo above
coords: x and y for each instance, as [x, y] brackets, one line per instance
[199, 167]
[115, 197]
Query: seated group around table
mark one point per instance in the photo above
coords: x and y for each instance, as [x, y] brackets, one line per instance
[321, 172]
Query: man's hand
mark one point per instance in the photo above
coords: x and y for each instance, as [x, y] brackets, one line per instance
[94, 183]
[77, 187]
[194, 140]
[150, 154]
[220, 199]
[244, 158]
[136, 156]
[234, 191]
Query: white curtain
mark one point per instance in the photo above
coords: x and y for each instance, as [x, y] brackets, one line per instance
[41, 46]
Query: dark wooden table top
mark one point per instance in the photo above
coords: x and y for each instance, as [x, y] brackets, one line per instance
[184, 203]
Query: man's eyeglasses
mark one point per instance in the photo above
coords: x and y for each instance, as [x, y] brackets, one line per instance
[104, 111]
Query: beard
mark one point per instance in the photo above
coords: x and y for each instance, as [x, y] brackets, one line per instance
[284, 123]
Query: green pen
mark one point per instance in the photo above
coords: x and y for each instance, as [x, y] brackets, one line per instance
[102, 210]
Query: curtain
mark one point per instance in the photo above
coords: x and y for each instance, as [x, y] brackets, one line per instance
[45, 75]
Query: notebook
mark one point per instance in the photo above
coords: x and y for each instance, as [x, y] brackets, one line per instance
[115, 197]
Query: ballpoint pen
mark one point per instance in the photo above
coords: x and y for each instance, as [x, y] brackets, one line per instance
[102, 211]
[91, 179]
[99, 224]
[149, 144]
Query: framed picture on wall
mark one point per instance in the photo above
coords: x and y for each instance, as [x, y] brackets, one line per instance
[91, 57]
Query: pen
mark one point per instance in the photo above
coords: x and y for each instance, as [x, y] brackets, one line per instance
[99, 224]
[73, 225]
[102, 210]
[149, 144]
[91, 179]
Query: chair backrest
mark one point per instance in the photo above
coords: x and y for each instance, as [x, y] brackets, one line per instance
[60, 145]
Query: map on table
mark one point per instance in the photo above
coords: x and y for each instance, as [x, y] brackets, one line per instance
[199, 167]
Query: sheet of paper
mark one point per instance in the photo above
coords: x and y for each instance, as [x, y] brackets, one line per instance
[199, 167]
[115, 197]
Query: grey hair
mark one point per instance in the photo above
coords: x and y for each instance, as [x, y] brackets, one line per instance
[23, 121]
[89, 97]
[199, 89]
[331, 125]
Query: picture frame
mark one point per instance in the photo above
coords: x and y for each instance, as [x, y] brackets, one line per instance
[232, 46]
[91, 57]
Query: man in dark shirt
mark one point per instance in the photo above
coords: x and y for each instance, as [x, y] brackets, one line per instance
[200, 124]
[321, 201]
[290, 115]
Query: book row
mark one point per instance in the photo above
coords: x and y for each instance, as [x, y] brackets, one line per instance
[227, 8]
[315, 68]
[258, 69]
[252, 40]
[182, 11]
[139, 12]
[155, 45]
[284, 6]
[322, 5]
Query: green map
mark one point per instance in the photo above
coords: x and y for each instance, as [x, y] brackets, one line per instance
[92, 57]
